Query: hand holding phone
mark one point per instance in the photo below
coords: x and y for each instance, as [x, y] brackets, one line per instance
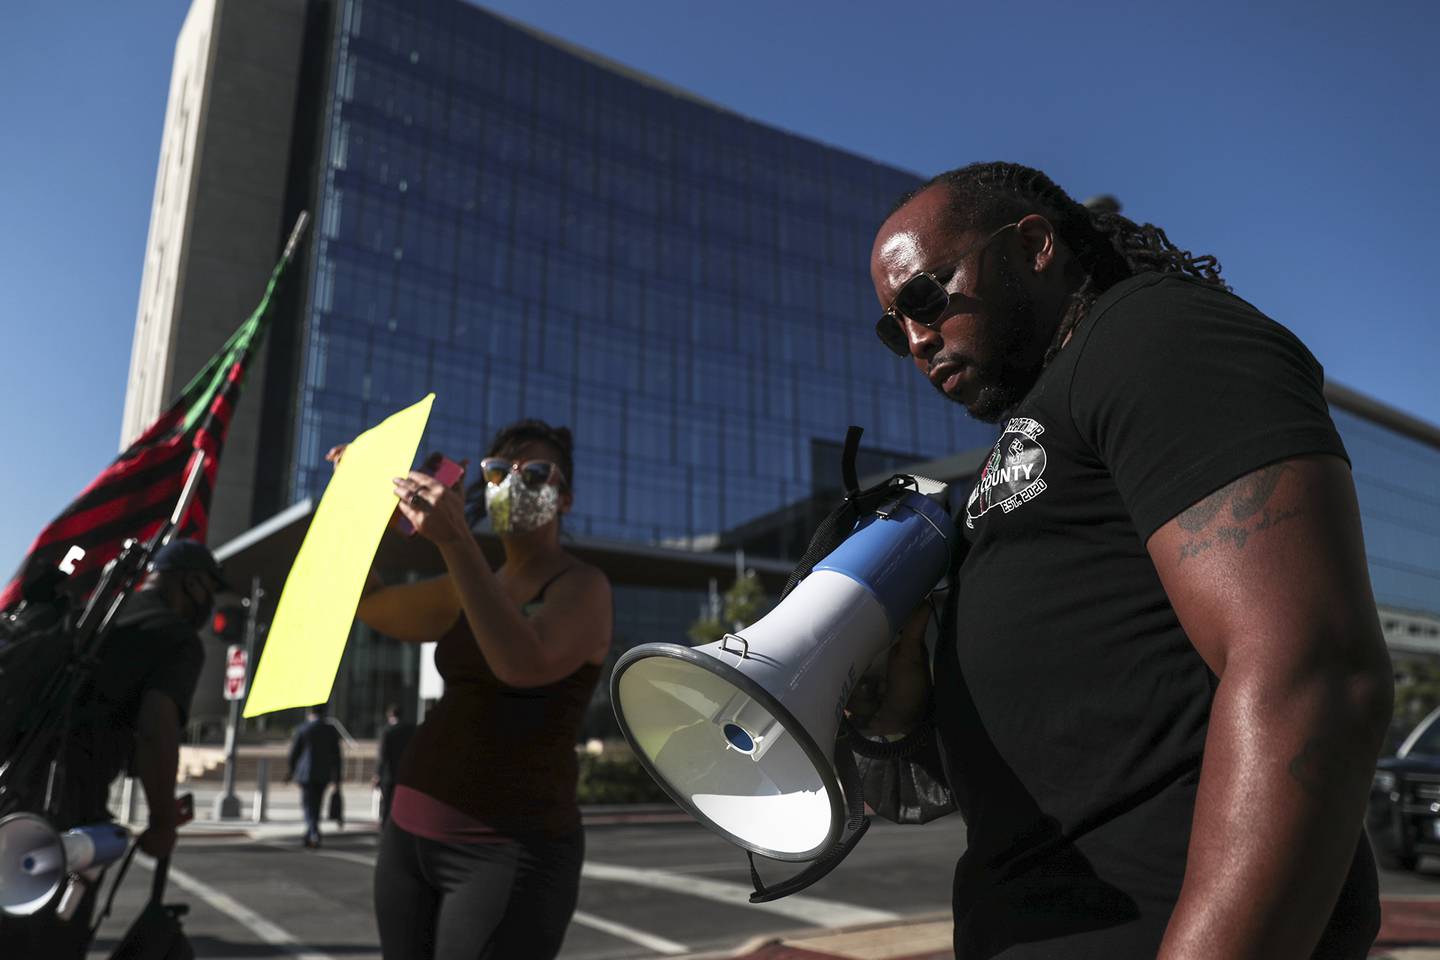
[443, 469]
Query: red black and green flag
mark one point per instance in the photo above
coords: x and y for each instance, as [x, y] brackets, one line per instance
[137, 493]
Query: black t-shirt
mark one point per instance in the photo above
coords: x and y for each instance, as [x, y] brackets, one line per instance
[149, 648]
[1072, 706]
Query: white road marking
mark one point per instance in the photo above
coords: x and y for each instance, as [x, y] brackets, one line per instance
[640, 937]
[820, 913]
[647, 940]
[338, 855]
[810, 910]
[243, 915]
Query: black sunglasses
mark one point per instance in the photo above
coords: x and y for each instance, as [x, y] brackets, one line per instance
[923, 299]
[533, 473]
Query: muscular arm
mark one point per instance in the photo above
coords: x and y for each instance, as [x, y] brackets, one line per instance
[157, 758]
[1269, 580]
[572, 627]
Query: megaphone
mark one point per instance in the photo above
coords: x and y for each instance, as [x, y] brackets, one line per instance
[741, 732]
[35, 858]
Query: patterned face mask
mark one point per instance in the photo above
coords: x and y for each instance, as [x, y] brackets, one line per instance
[514, 507]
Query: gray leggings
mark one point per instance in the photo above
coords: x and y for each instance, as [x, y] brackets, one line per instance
[475, 901]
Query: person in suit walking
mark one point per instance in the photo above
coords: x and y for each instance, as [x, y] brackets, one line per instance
[315, 763]
[393, 740]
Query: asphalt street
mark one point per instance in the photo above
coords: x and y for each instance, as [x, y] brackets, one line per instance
[648, 890]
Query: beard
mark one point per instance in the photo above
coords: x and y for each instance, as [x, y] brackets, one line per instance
[1004, 381]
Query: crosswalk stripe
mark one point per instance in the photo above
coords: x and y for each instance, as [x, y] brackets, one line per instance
[243, 915]
[648, 940]
[810, 910]
[820, 913]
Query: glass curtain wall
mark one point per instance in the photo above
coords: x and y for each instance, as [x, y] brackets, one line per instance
[1400, 511]
[528, 232]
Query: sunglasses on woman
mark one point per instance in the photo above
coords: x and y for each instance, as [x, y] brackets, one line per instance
[533, 473]
[922, 299]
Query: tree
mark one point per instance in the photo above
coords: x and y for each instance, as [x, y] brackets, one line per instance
[741, 606]
[1417, 692]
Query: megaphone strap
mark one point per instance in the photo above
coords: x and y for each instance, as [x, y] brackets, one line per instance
[904, 748]
[847, 459]
[157, 885]
[114, 888]
[856, 823]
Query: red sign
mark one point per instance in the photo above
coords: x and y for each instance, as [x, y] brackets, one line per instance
[235, 673]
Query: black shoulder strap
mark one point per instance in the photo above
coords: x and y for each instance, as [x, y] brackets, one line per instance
[838, 524]
[540, 594]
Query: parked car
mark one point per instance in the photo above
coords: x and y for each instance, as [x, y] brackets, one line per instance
[1403, 817]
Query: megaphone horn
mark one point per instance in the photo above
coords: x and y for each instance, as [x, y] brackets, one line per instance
[35, 858]
[740, 732]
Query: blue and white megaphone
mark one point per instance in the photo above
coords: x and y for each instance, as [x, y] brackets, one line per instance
[35, 858]
[741, 732]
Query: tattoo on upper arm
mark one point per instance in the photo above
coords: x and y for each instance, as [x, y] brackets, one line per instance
[1248, 513]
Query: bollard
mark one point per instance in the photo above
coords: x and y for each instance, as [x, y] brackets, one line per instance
[127, 801]
[260, 812]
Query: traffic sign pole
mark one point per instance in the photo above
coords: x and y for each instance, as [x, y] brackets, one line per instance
[227, 805]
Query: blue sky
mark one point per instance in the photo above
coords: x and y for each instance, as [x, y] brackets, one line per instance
[1298, 143]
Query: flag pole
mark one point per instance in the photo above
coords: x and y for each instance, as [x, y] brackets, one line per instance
[117, 580]
[296, 232]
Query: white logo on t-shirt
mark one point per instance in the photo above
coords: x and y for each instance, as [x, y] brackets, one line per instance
[1012, 472]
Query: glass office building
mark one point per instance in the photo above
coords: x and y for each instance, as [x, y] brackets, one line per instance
[530, 232]
[1395, 465]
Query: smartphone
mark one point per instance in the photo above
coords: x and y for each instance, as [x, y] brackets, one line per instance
[442, 468]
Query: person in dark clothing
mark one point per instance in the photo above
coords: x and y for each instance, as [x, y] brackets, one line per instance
[1163, 633]
[130, 720]
[481, 855]
[393, 740]
[315, 763]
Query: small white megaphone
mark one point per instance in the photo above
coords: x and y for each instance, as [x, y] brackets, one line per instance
[741, 732]
[35, 858]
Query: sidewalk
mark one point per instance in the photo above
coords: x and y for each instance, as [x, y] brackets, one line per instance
[285, 819]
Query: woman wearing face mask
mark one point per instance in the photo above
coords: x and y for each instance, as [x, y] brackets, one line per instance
[482, 852]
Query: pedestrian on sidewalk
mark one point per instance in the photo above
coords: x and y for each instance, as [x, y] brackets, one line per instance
[393, 740]
[481, 855]
[315, 763]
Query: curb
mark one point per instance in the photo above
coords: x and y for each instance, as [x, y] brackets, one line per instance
[589, 816]
[1409, 927]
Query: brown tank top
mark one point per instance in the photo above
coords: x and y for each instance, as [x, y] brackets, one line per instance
[502, 755]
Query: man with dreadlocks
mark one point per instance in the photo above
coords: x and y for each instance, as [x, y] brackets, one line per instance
[1160, 683]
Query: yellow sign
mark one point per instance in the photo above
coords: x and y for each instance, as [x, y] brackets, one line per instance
[317, 607]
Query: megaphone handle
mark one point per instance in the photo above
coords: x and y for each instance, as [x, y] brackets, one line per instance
[856, 823]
